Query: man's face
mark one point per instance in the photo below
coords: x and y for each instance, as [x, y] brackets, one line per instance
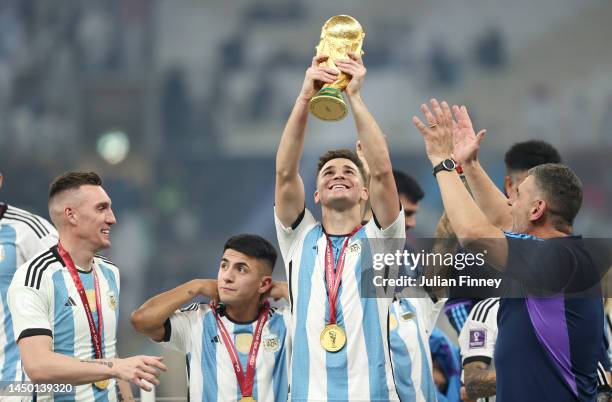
[512, 181]
[524, 205]
[339, 185]
[93, 216]
[410, 211]
[242, 278]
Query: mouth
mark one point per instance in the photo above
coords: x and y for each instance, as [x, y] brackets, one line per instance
[224, 289]
[106, 232]
[338, 186]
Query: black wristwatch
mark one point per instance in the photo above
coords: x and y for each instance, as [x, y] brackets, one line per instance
[446, 164]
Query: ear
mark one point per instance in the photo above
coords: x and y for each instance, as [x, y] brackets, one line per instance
[70, 215]
[507, 185]
[265, 285]
[538, 210]
[365, 193]
[317, 199]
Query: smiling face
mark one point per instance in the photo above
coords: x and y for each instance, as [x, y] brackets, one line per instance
[527, 206]
[340, 185]
[242, 279]
[91, 216]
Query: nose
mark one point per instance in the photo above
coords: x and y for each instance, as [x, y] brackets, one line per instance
[227, 276]
[110, 218]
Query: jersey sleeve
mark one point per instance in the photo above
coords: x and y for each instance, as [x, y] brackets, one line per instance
[178, 328]
[479, 334]
[288, 236]
[34, 242]
[397, 230]
[30, 306]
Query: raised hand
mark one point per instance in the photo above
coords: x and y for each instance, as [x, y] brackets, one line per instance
[137, 368]
[316, 77]
[354, 67]
[279, 290]
[438, 132]
[466, 142]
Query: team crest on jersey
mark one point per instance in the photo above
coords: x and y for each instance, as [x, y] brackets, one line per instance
[271, 343]
[243, 343]
[354, 248]
[2, 253]
[477, 338]
[112, 301]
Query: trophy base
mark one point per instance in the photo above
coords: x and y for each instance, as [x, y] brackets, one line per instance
[328, 104]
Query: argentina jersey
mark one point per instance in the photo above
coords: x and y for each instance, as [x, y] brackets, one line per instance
[193, 331]
[478, 336]
[44, 301]
[411, 321]
[361, 370]
[22, 235]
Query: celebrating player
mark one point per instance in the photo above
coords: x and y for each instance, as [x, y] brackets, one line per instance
[65, 300]
[340, 348]
[22, 235]
[236, 350]
[553, 334]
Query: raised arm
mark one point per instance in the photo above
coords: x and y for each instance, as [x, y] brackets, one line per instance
[383, 192]
[44, 366]
[149, 318]
[289, 191]
[487, 195]
[471, 226]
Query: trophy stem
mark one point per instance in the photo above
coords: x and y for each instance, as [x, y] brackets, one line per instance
[328, 104]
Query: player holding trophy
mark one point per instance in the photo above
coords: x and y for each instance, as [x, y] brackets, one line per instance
[340, 348]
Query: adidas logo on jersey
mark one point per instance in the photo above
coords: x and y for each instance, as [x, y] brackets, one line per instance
[70, 302]
[215, 339]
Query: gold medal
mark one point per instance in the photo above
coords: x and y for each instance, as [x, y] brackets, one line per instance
[333, 338]
[102, 384]
[247, 399]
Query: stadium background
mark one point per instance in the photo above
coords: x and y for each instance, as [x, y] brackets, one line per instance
[179, 105]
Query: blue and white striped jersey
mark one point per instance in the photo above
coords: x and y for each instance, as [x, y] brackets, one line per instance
[361, 371]
[479, 334]
[194, 332]
[22, 235]
[44, 301]
[411, 321]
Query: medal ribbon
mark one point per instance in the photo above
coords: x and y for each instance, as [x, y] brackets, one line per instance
[96, 334]
[245, 381]
[333, 281]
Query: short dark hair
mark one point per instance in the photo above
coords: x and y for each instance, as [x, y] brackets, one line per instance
[73, 180]
[254, 246]
[562, 190]
[525, 155]
[408, 186]
[344, 153]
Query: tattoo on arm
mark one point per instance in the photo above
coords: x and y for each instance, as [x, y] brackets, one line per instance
[99, 361]
[479, 380]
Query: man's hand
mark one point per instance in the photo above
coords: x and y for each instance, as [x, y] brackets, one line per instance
[137, 368]
[353, 66]
[279, 290]
[466, 142]
[208, 288]
[438, 132]
[316, 76]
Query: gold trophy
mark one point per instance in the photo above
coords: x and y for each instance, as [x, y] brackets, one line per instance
[340, 34]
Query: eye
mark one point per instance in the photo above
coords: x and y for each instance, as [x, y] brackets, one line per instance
[224, 266]
[327, 173]
[242, 269]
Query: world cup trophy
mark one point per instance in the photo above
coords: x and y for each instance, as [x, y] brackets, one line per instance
[340, 35]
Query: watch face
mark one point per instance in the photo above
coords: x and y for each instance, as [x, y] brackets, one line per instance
[449, 164]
